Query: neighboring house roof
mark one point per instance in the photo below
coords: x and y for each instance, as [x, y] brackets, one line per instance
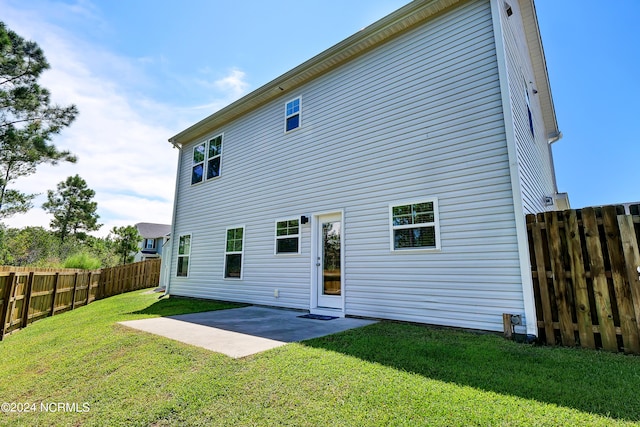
[404, 19]
[149, 230]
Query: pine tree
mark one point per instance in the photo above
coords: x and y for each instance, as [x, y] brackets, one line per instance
[72, 208]
[28, 119]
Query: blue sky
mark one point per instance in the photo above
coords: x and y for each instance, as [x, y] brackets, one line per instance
[141, 70]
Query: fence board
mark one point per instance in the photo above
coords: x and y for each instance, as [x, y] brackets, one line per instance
[599, 278]
[542, 280]
[26, 304]
[563, 296]
[9, 290]
[579, 280]
[621, 286]
[632, 261]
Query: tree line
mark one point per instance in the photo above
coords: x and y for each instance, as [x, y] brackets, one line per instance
[38, 247]
[28, 123]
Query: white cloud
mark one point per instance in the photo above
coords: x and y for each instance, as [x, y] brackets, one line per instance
[120, 135]
[234, 83]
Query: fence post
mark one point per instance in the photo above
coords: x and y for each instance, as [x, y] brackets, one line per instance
[6, 313]
[26, 303]
[55, 292]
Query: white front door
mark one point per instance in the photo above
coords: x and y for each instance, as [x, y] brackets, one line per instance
[329, 256]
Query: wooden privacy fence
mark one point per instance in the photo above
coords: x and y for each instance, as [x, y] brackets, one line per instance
[585, 273]
[28, 294]
[130, 277]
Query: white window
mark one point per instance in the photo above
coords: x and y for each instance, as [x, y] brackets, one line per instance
[415, 225]
[197, 169]
[292, 114]
[528, 102]
[149, 243]
[207, 160]
[234, 252]
[214, 157]
[288, 236]
[184, 251]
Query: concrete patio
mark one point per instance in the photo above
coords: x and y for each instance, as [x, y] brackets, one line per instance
[241, 332]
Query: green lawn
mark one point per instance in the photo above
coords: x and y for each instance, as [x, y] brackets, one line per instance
[385, 374]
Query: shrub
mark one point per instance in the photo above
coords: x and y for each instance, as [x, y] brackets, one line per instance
[82, 260]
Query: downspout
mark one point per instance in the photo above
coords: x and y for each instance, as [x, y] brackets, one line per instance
[554, 137]
[173, 216]
[516, 190]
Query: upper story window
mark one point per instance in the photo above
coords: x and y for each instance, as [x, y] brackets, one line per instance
[415, 225]
[528, 101]
[214, 155]
[292, 114]
[197, 169]
[288, 236]
[149, 243]
[207, 159]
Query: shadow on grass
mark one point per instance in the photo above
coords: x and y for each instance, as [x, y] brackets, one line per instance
[178, 305]
[589, 381]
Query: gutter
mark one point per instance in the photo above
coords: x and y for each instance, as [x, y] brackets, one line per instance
[554, 137]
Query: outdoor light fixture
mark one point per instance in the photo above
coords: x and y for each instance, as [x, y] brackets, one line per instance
[508, 9]
[304, 219]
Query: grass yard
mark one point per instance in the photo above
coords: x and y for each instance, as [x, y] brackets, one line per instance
[384, 374]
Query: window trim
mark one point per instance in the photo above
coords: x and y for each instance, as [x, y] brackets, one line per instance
[146, 241]
[207, 158]
[435, 224]
[241, 253]
[187, 255]
[205, 162]
[527, 100]
[276, 237]
[298, 113]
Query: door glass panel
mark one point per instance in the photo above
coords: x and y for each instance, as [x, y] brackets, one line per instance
[331, 232]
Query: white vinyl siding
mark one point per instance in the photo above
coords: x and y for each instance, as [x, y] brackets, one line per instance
[425, 118]
[534, 153]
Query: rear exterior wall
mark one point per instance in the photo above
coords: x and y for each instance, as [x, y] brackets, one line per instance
[418, 117]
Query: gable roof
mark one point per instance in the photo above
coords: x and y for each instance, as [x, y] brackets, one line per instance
[150, 230]
[381, 31]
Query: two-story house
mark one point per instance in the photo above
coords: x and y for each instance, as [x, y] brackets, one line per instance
[385, 177]
[154, 236]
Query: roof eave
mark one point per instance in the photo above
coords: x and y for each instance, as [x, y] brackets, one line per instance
[364, 40]
[541, 75]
